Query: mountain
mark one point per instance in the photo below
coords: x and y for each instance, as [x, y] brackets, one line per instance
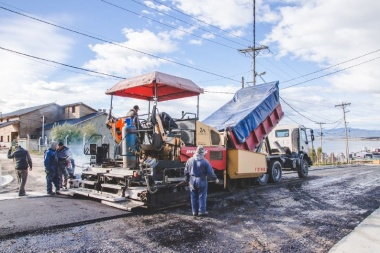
[351, 132]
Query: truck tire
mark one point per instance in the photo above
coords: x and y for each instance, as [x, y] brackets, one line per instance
[245, 183]
[303, 169]
[231, 184]
[262, 180]
[275, 171]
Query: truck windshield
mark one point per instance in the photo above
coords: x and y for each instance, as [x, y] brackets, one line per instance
[282, 133]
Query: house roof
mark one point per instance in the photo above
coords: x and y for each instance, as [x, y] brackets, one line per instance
[72, 121]
[25, 110]
[79, 103]
[8, 123]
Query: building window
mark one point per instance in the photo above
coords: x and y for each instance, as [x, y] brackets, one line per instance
[1, 138]
[73, 109]
[8, 138]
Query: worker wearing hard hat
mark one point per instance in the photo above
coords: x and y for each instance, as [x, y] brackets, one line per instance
[196, 171]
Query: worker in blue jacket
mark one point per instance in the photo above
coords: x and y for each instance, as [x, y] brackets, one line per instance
[51, 168]
[196, 172]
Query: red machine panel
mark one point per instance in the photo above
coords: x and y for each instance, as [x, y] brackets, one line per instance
[216, 155]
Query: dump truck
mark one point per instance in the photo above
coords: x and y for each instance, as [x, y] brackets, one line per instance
[147, 166]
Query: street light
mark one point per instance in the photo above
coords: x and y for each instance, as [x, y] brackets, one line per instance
[261, 74]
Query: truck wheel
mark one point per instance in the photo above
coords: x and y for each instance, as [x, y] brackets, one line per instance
[262, 180]
[303, 170]
[231, 184]
[245, 183]
[275, 172]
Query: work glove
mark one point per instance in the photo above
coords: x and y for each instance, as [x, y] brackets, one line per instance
[30, 168]
[217, 181]
[187, 178]
[47, 172]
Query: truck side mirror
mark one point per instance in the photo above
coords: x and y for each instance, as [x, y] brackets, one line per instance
[312, 134]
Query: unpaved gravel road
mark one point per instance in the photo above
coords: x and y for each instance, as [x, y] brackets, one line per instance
[296, 215]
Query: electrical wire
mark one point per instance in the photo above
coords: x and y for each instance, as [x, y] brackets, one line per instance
[329, 67]
[175, 9]
[116, 44]
[183, 21]
[59, 63]
[159, 22]
[328, 74]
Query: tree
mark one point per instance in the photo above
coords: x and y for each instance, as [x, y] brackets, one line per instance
[313, 155]
[319, 152]
[88, 129]
[74, 134]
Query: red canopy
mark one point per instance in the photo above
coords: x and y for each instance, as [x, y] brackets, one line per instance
[168, 87]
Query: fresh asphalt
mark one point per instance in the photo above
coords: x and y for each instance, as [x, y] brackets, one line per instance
[37, 212]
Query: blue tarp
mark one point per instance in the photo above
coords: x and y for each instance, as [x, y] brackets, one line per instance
[249, 107]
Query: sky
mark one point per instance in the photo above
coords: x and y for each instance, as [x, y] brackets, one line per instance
[324, 53]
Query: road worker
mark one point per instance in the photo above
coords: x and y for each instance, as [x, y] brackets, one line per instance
[51, 168]
[197, 170]
[23, 161]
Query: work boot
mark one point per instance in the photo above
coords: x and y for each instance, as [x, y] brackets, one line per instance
[203, 214]
[195, 214]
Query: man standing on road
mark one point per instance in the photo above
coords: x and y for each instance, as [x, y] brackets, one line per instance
[51, 168]
[64, 157]
[23, 161]
[196, 171]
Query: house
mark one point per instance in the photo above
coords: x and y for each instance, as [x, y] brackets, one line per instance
[30, 124]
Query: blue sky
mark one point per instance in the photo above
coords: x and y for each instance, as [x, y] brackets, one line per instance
[308, 41]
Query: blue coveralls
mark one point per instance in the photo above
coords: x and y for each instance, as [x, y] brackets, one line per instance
[51, 169]
[197, 170]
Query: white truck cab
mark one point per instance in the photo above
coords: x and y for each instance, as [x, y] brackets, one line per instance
[292, 138]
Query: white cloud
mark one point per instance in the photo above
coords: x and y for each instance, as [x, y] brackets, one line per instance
[159, 7]
[18, 73]
[195, 42]
[121, 59]
[226, 14]
[327, 33]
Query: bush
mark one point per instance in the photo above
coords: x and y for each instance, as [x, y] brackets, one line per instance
[74, 134]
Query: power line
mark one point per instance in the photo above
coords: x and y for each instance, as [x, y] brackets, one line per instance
[163, 13]
[329, 67]
[41, 61]
[328, 74]
[59, 63]
[115, 44]
[151, 19]
[296, 110]
[292, 120]
[201, 21]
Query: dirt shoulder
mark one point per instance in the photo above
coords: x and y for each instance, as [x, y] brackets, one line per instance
[36, 181]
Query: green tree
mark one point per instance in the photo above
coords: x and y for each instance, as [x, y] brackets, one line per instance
[89, 129]
[74, 134]
[313, 155]
[319, 152]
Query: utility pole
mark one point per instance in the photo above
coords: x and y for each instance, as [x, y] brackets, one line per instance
[253, 49]
[320, 127]
[43, 130]
[343, 105]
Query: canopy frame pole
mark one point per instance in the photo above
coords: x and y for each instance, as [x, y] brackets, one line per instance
[198, 107]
